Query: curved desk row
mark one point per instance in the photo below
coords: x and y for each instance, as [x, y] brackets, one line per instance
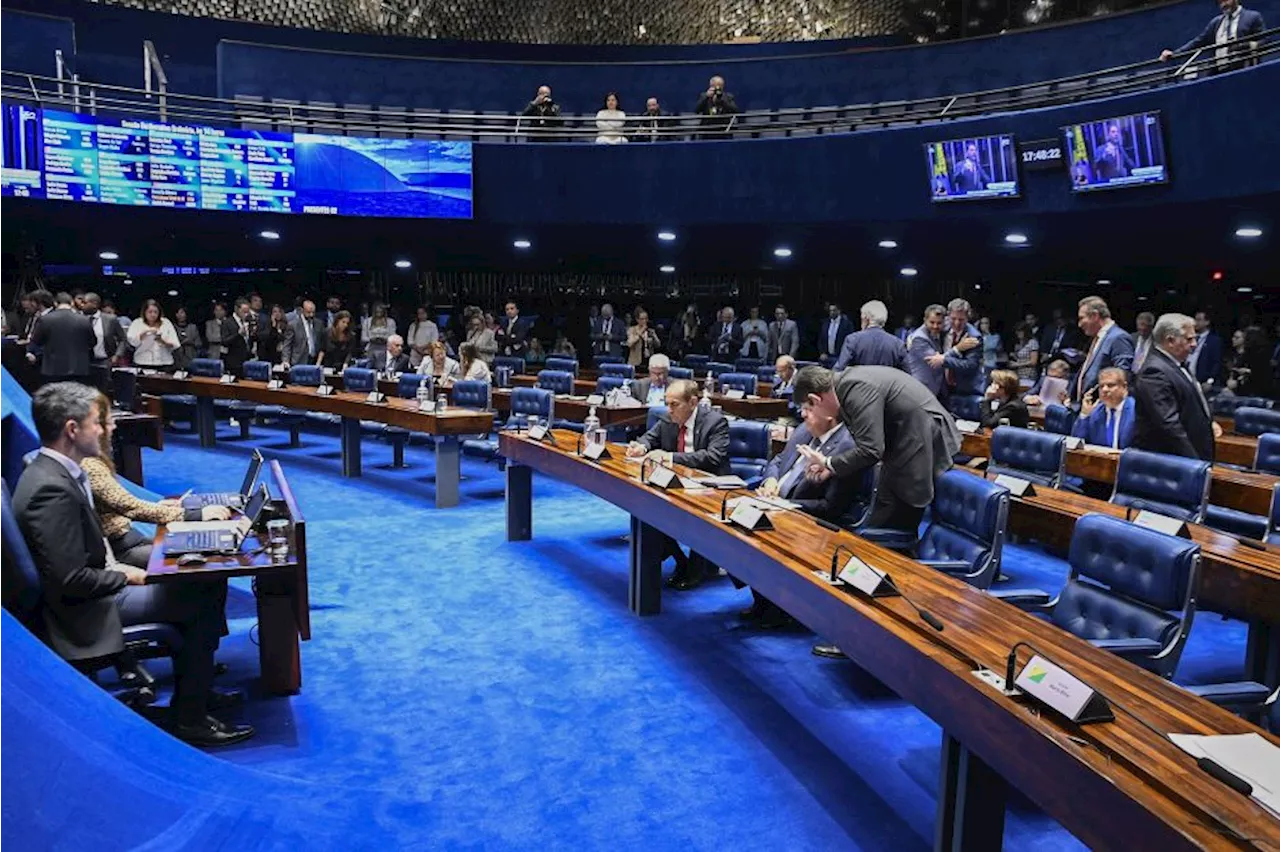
[1114, 785]
[1239, 450]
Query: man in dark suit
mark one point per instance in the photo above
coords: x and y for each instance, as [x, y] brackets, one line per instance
[308, 336]
[784, 335]
[961, 352]
[239, 337]
[1173, 416]
[1231, 30]
[717, 108]
[109, 341]
[785, 370]
[64, 338]
[607, 333]
[724, 338]
[87, 595]
[512, 334]
[1206, 359]
[1057, 337]
[1110, 159]
[969, 175]
[872, 346]
[693, 437]
[835, 328]
[1110, 346]
[393, 359]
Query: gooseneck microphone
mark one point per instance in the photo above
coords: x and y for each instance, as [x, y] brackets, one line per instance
[835, 560]
[928, 617]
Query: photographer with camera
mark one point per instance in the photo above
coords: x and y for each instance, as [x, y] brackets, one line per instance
[545, 115]
[717, 108]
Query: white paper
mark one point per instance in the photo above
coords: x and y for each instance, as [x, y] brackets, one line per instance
[1052, 389]
[968, 426]
[729, 481]
[1250, 756]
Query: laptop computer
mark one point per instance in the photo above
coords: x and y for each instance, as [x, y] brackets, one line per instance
[217, 536]
[229, 498]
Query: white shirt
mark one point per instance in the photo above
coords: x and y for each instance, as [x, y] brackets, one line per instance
[99, 346]
[610, 123]
[657, 395]
[758, 330]
[1194, 358]
[154, 350]
[420, 334]
[77, 472]
[687, 428]
[832, 327]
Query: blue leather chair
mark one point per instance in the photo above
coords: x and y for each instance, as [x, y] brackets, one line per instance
[569, 365]
[1028, 454]
[532, 405]
[243, 411]
[680, 373]
[718, 368]
[556, 381]
[209, 368]
[1256, 421]
[966, 406]
[359, 379]
[800, 365]
[1267, 459]
[1227, 405]
[625, 371]
[966, 532]
[749, 450]
[697, 363]
[475, 395]
[1235, 522]
[747, 365]
[516, 364]
[766, 373]
[609, 359]
[406, 388]
[308, 376]
[1273, 521]
[1168, 485]
[182, 406]
[745, 382]
[1059, 419]
[362, 363]
[859, 511]
[604, 384]
[656, 413]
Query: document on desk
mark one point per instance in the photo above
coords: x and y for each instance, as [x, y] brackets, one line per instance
[1249, 756]
[729, 481]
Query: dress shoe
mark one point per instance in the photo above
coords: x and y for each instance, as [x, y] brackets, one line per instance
[687, 583]
[209, 732]
[220, 700]
[830, 651]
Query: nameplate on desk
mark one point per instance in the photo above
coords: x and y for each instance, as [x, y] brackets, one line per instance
[227, 379]
[1162, 523]
[1072, 442]
[180, 374]
[595, 399]
[1019, 487]
[735, 393]
[537, 432]
[1058, 689]
[328, 371]
[324, 390]
[665, 477]
[749, 516]
[864, 578]
[375, 396]
[596, 451]
[275, 384]
[969, 427]
[427, 406]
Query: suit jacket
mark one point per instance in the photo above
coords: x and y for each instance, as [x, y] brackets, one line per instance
[1249, 23]
[844, 328]
[113, 338]
[830, 499]
[275, 345]
[640, 389]
[611, 343]
[710, 441]
[872, 347]
[724, 345]
[61, 529]
[1013, 410]
[381, 362]
[920, 346]
[298, 353]
[1093, 429]
[1138, 354]
[1172, 415]
[1070, 340]
[65, 339]
[514, 342]
[1114, 350]
[965, 368]
[1209, 361]
[783, 339]
[894, 419]
[236, 346]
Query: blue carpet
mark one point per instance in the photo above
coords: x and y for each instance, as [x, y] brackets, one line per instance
[462, 692]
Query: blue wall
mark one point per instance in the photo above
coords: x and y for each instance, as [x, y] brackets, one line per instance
[1213, 129]
[28, 42]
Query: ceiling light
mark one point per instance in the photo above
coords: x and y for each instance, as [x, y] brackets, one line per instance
[782, 252]
[1244, 289]
[1015, 239]
[908, 271]
[1142, 298]
[977, 286]
[888, 244]
[108, 255]
[1103, 282]
[667, 268]
[522, 244]
[1248, 232]
[1217, 276]
[666, 236]
[173, 292]
[403, 264]
[269, 235]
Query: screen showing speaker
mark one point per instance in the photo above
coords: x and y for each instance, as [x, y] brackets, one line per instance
[970, 169]
[1116, 152]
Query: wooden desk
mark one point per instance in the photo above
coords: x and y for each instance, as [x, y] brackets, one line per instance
[761, 407]
[1234, 489]
[447, 429]
[1114, 785]
[133, 432]
[284, 610]
[1239, 450]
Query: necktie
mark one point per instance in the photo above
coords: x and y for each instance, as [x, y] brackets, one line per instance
[680, 444]
[83, 479]
[792, 477]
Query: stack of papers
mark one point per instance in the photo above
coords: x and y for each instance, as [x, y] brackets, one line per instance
[1250, 756]
[1051, 390]
[726, 482]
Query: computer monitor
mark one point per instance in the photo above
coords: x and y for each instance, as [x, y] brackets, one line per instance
[1111, 153]
[977, 167]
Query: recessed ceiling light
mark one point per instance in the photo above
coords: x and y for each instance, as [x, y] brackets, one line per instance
[403, 264]
[1248, 232]
[908, 271]
[173, 292]
[666, 236]
[1015, 239]
[1244, 289]
[1142, 298]
[269, 235]
[522, 244]
[888, 244]
[108, 255]
[977, 286]
[667, 268]
[782, 252]
[128, 282]
[1103, 282]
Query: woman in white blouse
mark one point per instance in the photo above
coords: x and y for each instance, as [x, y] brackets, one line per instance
[473, 366]
[439, 364]
[375, 330]
[610, 121]
[153, 338]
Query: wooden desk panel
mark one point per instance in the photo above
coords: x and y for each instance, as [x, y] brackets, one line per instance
[1151, 794]
[133, 432]
[1239, 450]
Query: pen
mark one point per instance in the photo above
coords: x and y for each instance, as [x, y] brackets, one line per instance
[185, 496]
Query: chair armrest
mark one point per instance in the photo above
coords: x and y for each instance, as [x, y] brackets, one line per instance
[1238, 694]
[949, 566]
[1128, 647]
[890, 538]
[1028, 599]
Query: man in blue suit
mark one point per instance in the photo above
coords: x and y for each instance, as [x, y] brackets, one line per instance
[835, 329]
[1235, 24]
[924, 351]
[1206, 358]
[1107, 415]
[1111, 345]
[962, 352]
[872, 346]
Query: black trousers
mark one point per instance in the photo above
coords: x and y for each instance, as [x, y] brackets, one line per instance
[892, 513]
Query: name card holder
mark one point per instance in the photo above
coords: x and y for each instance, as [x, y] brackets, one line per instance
[596, 452]
[537, 432]
[665, 477]
[375, 396]
[1061, 691]
[595, 399]
[328, 371]
[870, 581]
[427, 406]
[181, 374]
[1072, 442]
[1019, 487]
[735, 393]
[324, 390]
[1162, 524]
[227, 379]
[750, 517]
[275, 384]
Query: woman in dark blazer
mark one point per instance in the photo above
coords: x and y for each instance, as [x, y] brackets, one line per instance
[1001, 406]
[275, 337]
[341, 344]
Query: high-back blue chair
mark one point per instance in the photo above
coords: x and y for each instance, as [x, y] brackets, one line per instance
[745, 382]
[1273, 520]
[569, 365]
[966, 406]
[257, 371]
[1028, 454]
[1168, 485]
[515, 363]
[1267, 459]
[656, 413]
[625, 371]
[470, 394]
[206, 367]
[307, 375]
[966, 532]
[359, 379]
[800, 365]
[556, 381]
[864, 500]
[766, 373]
[747, 365]
[718, 368]
[680, 373]
[749, 449]
[243, 410]
[533, 404]
[1227, 405]
[1256, 421]
[1235, 522]
[604, 384]
[1059, 419]
[406, 388]
[697, 363]
[609, 359]
[408, 383]
[310, 376]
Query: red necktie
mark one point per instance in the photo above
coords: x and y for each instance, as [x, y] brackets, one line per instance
[680, 440]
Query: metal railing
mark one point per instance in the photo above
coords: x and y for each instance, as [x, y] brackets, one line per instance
[266, 114]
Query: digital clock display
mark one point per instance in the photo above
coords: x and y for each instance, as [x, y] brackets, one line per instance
[1042, 154]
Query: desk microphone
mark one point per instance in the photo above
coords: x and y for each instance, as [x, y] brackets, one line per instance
[644, 463]
[835, 560]
[578, 448]
[928, 617]
[724, 506]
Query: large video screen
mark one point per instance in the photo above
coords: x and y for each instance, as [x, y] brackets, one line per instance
[1116, 152]
[73, 157]
[970, 169]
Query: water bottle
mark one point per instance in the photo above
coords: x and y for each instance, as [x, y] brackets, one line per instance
[707, 387]
[591, 426]
[424, 392]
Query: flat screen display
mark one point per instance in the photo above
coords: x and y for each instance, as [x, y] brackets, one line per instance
[974, 168]
[1116, 152]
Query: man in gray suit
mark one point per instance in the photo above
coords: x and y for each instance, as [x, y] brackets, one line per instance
[693, 437]
[872, 346]
[652, 389]
[784, 336]
[308, 336]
